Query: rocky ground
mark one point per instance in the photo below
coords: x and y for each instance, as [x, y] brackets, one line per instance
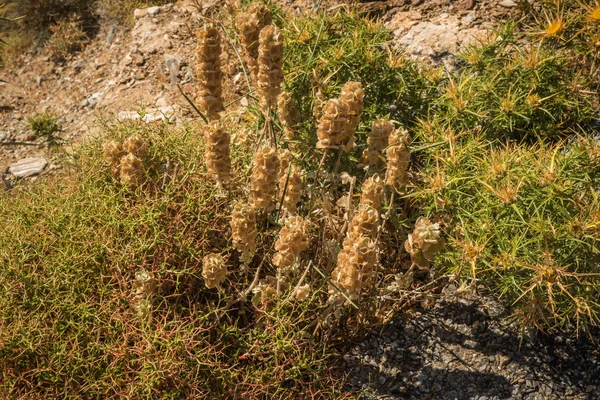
[464, 349]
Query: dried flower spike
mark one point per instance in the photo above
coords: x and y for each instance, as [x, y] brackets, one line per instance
[355, 267]
[424, 242]
[398, 155]
[289, 115]
[218, 161]
[332, 124]
[378, 141]
[136, 145]
[132, 171]
[292, 240]
[250, 24]
[214, 270]
[301, 293]
[265, 174]
[373, 192]
[113, 152]
[209, 71]
[270, 65]
[364, 223]
[292, 185]
[353, 96]
[243, 228]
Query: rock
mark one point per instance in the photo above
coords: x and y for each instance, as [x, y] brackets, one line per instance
[28, 167]
[173, 65]
[507, 3]
[140, 13]
[153, 10]
[110, 35]
[93, 100]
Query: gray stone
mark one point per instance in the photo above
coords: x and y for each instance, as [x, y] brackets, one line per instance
[153, 10]
[28, 167]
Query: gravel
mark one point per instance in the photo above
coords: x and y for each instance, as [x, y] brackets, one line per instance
[464, 348]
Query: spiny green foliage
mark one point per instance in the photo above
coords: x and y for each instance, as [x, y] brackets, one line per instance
[45, 125]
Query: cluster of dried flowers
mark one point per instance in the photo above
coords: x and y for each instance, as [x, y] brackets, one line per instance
[243, 226]
[208, 71]
[353, 95]
[249, 25]
[217, 158]
[270, 65]
[125, 159]
[265, 174]
[378, 141]
[398, 155]
[357, 260]
[424, 242]
[214, 270]
[292, 240]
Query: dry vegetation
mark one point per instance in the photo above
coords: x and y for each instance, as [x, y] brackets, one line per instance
[230, 259]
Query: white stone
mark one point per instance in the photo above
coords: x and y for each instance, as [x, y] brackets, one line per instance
[140, 13]
[507, 3]
[153, 10]
[28, 167]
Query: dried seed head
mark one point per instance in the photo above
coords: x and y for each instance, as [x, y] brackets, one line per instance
[144, 287]
[332, 124]
[132, 171]
[248, 26]
[262, 13]
[265, 174]
[113, 152]
[243, 228]
[292, 185]
[213, 270]
[218, 161]
[136, 145]
[270, 65]
[285, 158]
[398, 155]
[424, 242]
[289, 115]
[373, 192]
[353, 96]
[378, 140]
[355, 267]
[292, 240]
[209, 71]
[364, 223]
[301, 293]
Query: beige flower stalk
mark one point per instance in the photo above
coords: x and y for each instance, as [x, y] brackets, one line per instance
[398, 155]
[218, 161]
[270, 65]
[214, 270]
[292, 185]
[265, 174]
[330, 130]
[209, 72]
[132, 171]
[113, 152]
[423, 243]
[292, 240]
[289, 115]
[285, 159]
[250, 24]
[373, 192]
[378, 141]
[353, 96]
[136, 145]
[364, 223]
[355, 267]
[243, 228]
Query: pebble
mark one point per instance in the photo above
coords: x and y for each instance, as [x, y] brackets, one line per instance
[28, 167]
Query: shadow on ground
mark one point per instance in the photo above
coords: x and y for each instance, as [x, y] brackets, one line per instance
[462, 349]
